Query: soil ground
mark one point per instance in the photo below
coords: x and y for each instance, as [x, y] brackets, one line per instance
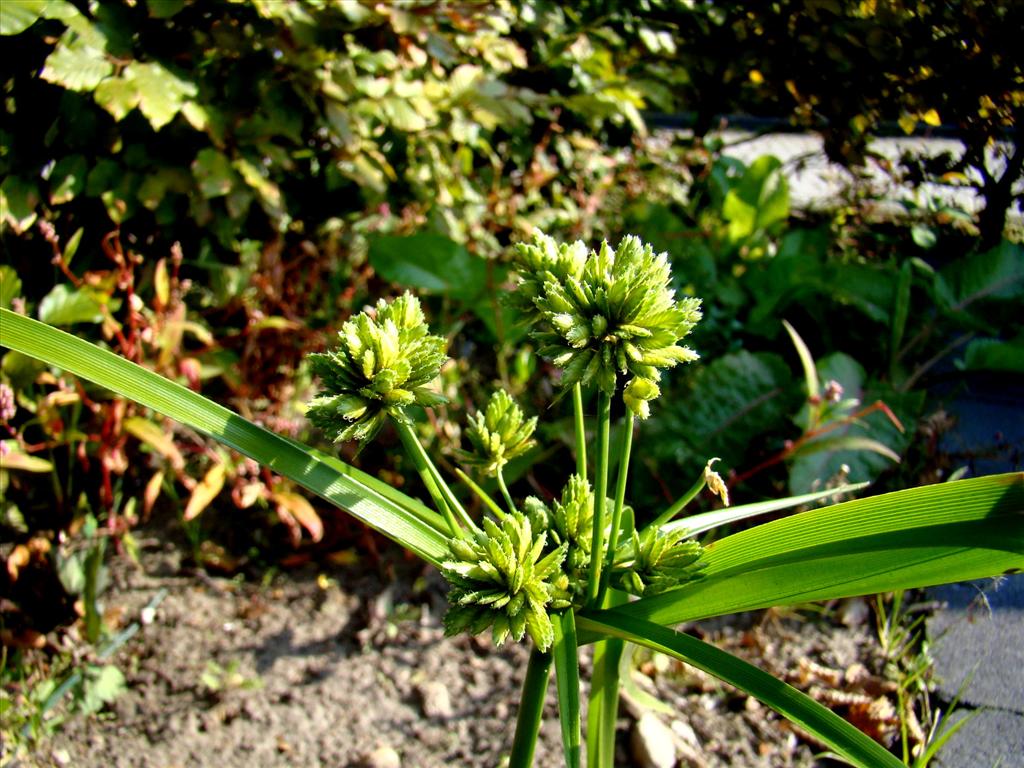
[323, 669]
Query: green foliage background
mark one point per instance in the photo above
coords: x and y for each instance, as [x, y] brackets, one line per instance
[213, 188]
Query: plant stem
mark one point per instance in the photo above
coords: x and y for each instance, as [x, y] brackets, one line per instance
[604, 410]
[580, 431]
[603, 708]
[430, 479]
[505, 493]
[531, 708]
[625, 448]
[481, 494]
[681, 502]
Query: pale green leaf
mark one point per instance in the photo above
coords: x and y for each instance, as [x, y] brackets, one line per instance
[76, 65]
[18, 15]
[65, 305]
[10, 285]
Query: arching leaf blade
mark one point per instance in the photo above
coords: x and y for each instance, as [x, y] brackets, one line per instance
[913, 538]
[379, 506]
[824, 724]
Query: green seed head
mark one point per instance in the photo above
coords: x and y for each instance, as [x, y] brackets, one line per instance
[498, 434]
[661, 561]
[606, 314]
[383, 363]
[501, 579]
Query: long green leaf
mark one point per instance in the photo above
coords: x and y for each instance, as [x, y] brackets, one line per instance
[374, 503]
[825, 725]
[914, 538]
[567, 679]
[705, 521]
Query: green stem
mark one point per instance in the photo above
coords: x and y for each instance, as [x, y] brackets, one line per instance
[625, 449]
[481, 494]
[505, 493]
[531, 708]
[604, 411]
[603, 708]
[580, 430]
[681, 502]
[423, 465]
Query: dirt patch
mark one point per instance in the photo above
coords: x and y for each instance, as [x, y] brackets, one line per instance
[323, 670]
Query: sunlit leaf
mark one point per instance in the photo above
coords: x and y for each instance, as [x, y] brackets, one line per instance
[13, 457]
[302, 511]
[919, 537]
[375, 503]
[156, 437]
[206, 491]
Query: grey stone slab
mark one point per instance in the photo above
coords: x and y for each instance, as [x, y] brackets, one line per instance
[977, 642]
[992, 738]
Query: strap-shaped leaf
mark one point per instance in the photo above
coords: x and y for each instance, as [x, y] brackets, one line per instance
[376, 504]
[831, 729]
[936, 534]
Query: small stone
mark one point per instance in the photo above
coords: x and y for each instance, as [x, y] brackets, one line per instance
[436, 701]
[61, 757]
[854, 612]
[382, 757]
[653, 743]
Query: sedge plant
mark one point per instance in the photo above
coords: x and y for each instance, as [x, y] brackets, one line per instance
[577, 569]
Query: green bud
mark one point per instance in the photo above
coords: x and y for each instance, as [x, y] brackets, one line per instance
[382, 364]
[498, 434]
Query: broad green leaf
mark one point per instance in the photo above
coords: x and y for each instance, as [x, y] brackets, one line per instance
[821, 722]
[995, 274]
[162, 93]
[164, 9]
[18, 201]
[919, 537]
[376, 504]
[10, 285]
[993, 355]
[65, 305]
[861, 449]
[77, 64]
[760, 200]
[430, 263]
[214, 173]
[731, 398]
[567, 678]
[117, 95]
[67, 178]
[18, 15]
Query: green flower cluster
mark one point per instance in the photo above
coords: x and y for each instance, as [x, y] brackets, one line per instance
[661, 561]
[570, 523]
[501, 578]
[382, 364]
[606, 313]
[498, 434]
